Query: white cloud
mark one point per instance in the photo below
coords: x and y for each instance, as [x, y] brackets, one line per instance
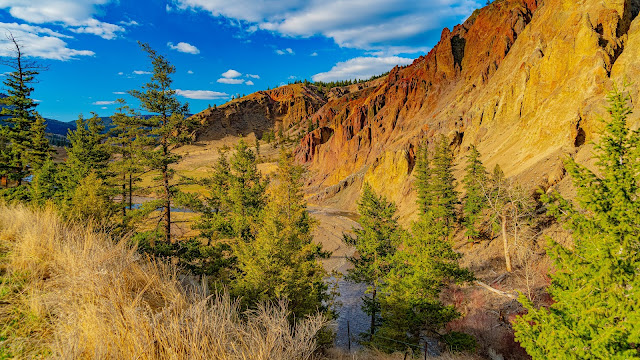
[292, 77]
[314, 54]
[287, 51]
[361, 68]
[103, 102]
[202, 94]
[120, 73]
[184, 47]
[230, 77]
[78, 16]
[99, 28]
[129, 23]
[104, 108]
[230, 81]
[390, 26]
[250, 83]
[141, 72]
[253, 76]
[38, 42]
[190, 72]
[231, 74]
[120, 93]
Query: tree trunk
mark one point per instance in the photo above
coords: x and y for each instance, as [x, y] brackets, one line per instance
[505, 240]
[373, 314]
[123, 201]
[130, 192]
[167, 205]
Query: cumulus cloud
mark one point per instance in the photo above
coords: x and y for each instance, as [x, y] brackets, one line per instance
[388, 26]
[287, 51]
[314, 54]
[231, 77]
[361, 68]
[120, 93]
[249, 83]
[202, 94]
[103, 102]
[76, 15]
[190, 72]
[141, 72]
[230, 81]
[253, 76]
[42, 43]
[184, 47]
[231, 74]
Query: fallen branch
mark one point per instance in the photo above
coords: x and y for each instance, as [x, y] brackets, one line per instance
[494, 290]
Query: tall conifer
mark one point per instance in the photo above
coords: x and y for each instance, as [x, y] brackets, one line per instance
[474, 201]
[596, 288]
[169, 128]
[282, 261]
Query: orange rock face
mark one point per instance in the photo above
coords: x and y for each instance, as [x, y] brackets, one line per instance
[523, 80]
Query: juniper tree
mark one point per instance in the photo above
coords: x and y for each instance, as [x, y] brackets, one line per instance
[282, 262]
[596, 288]
[473, 201]
[375, 241]
[19, 111]
[168, 129]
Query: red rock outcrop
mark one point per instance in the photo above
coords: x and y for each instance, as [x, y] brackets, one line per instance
[282, 107]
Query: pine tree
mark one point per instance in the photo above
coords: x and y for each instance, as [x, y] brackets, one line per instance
[423, 179]
[596, 288]
[82, 179]
[40, 151]
[127, 140]
[443, 185]
[375, 242]
[87, 150]
[283, 262]
[168, 129]
[410, 296]
[474, 201]
[19, 111]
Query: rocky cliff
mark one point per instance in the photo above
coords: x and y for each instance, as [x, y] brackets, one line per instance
[282, 107]
[523, 80]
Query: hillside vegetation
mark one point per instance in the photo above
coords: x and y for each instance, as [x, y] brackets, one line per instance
[71, 292]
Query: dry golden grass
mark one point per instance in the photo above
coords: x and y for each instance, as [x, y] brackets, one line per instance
[70, 292]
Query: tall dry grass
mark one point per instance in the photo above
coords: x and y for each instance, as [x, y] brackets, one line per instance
[98, 299]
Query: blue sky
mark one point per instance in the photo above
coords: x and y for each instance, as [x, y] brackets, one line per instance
[219, 47]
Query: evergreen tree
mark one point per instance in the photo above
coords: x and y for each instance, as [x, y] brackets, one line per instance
[168, 129]
[82, 179]
[282, 261]
[443, 185]
[87, 150]
[423, 179]
[375, 242]
[20, 114]
[40, 151]
[596, 288]
[127, 140]
[410, 296]
[474, 201]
